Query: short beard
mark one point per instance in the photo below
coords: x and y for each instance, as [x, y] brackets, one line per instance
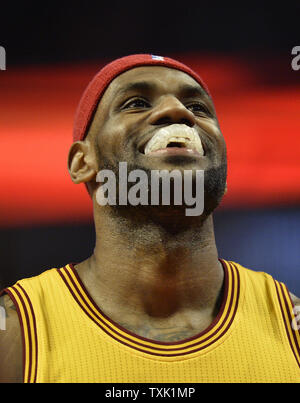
[214, 187]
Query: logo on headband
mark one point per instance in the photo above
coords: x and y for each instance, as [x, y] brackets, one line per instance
[154, 57]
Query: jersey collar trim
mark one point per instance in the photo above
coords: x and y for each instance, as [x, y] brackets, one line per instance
[201, 341]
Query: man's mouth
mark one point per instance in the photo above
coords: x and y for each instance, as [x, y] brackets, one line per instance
[173, 139]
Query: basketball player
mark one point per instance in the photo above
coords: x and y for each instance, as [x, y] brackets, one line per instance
[154, 303]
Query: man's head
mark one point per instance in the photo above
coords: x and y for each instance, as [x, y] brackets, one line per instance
[128, 103]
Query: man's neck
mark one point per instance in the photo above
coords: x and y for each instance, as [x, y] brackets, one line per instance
[147, 275]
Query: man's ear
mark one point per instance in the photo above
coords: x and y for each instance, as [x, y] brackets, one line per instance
[81, 164]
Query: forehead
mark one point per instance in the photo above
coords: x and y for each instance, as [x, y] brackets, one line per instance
[157, 77]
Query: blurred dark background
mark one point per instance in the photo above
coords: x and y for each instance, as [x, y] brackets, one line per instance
[54, 32]
[243, 51]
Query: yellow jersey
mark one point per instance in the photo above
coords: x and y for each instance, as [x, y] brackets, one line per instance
[68, 339]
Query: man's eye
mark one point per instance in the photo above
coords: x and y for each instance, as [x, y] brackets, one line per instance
[198, 108]
[136, 103]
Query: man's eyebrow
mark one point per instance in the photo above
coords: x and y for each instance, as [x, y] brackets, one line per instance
[137, 86]
[189, 91]
[184, 90]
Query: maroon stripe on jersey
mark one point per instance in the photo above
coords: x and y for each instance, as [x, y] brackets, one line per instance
[277, 285]
[29, 333]
[34, 331]
[295, 347]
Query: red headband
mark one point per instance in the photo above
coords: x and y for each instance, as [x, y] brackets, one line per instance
[105, 76]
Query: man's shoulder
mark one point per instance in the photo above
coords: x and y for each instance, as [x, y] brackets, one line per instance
[16, 304]
[262, 274]
[43, 276]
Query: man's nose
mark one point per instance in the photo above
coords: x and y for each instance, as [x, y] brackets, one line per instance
[171, 110]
